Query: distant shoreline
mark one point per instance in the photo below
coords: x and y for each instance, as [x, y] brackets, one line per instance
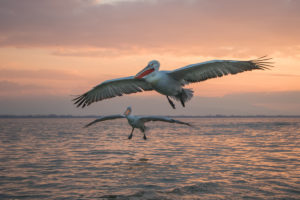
[175, 116]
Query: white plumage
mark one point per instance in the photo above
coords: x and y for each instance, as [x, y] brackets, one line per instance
[169, 83]
[137, 121]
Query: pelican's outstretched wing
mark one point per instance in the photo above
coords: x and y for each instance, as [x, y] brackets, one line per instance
[217, 68]
[109, 117]
[112, 88]
[163, 119]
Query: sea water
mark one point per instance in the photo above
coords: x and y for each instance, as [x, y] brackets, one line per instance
[218, 158]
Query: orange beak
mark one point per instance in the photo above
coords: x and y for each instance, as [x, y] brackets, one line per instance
[127, 112]
[147, 70]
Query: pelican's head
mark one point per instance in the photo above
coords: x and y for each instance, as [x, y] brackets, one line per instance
[127, 111]
[151, 67]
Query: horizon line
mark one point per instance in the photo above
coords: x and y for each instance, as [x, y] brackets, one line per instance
[174, 116]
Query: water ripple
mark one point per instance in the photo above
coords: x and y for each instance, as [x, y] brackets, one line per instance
[246, 158]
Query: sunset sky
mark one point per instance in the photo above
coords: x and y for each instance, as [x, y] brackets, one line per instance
[52, 50]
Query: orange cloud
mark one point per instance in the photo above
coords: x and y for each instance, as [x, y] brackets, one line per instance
[47, 74]
[196, 27]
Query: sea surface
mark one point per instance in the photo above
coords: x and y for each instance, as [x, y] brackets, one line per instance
[218, 158]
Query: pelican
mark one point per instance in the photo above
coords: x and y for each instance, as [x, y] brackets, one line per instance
[169, 83]
[137, 121]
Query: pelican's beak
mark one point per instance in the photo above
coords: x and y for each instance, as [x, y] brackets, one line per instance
[147, 70]
[127, 112]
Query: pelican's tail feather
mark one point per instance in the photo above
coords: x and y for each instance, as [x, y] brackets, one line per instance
[187, 94]
[184, 96]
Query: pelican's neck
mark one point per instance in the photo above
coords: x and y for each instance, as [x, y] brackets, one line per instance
[154, 76]
[130, 117]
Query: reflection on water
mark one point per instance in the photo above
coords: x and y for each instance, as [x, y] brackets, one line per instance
[218, 159]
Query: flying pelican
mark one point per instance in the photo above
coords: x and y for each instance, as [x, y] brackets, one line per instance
[137, 121]
[169, 83]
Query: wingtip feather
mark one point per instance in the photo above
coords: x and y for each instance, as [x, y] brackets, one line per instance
[263, 62]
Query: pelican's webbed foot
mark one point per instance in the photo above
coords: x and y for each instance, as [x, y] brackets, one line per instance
[180, 97]
[130, 136]
[171, 102]
[182, 102]
[145, 138]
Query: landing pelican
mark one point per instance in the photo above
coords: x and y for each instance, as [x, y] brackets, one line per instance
[169, 83]
[137, 121]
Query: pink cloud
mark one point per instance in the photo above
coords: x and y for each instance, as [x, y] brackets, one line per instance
[48, 74]
[177, 26]
[9, 87]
